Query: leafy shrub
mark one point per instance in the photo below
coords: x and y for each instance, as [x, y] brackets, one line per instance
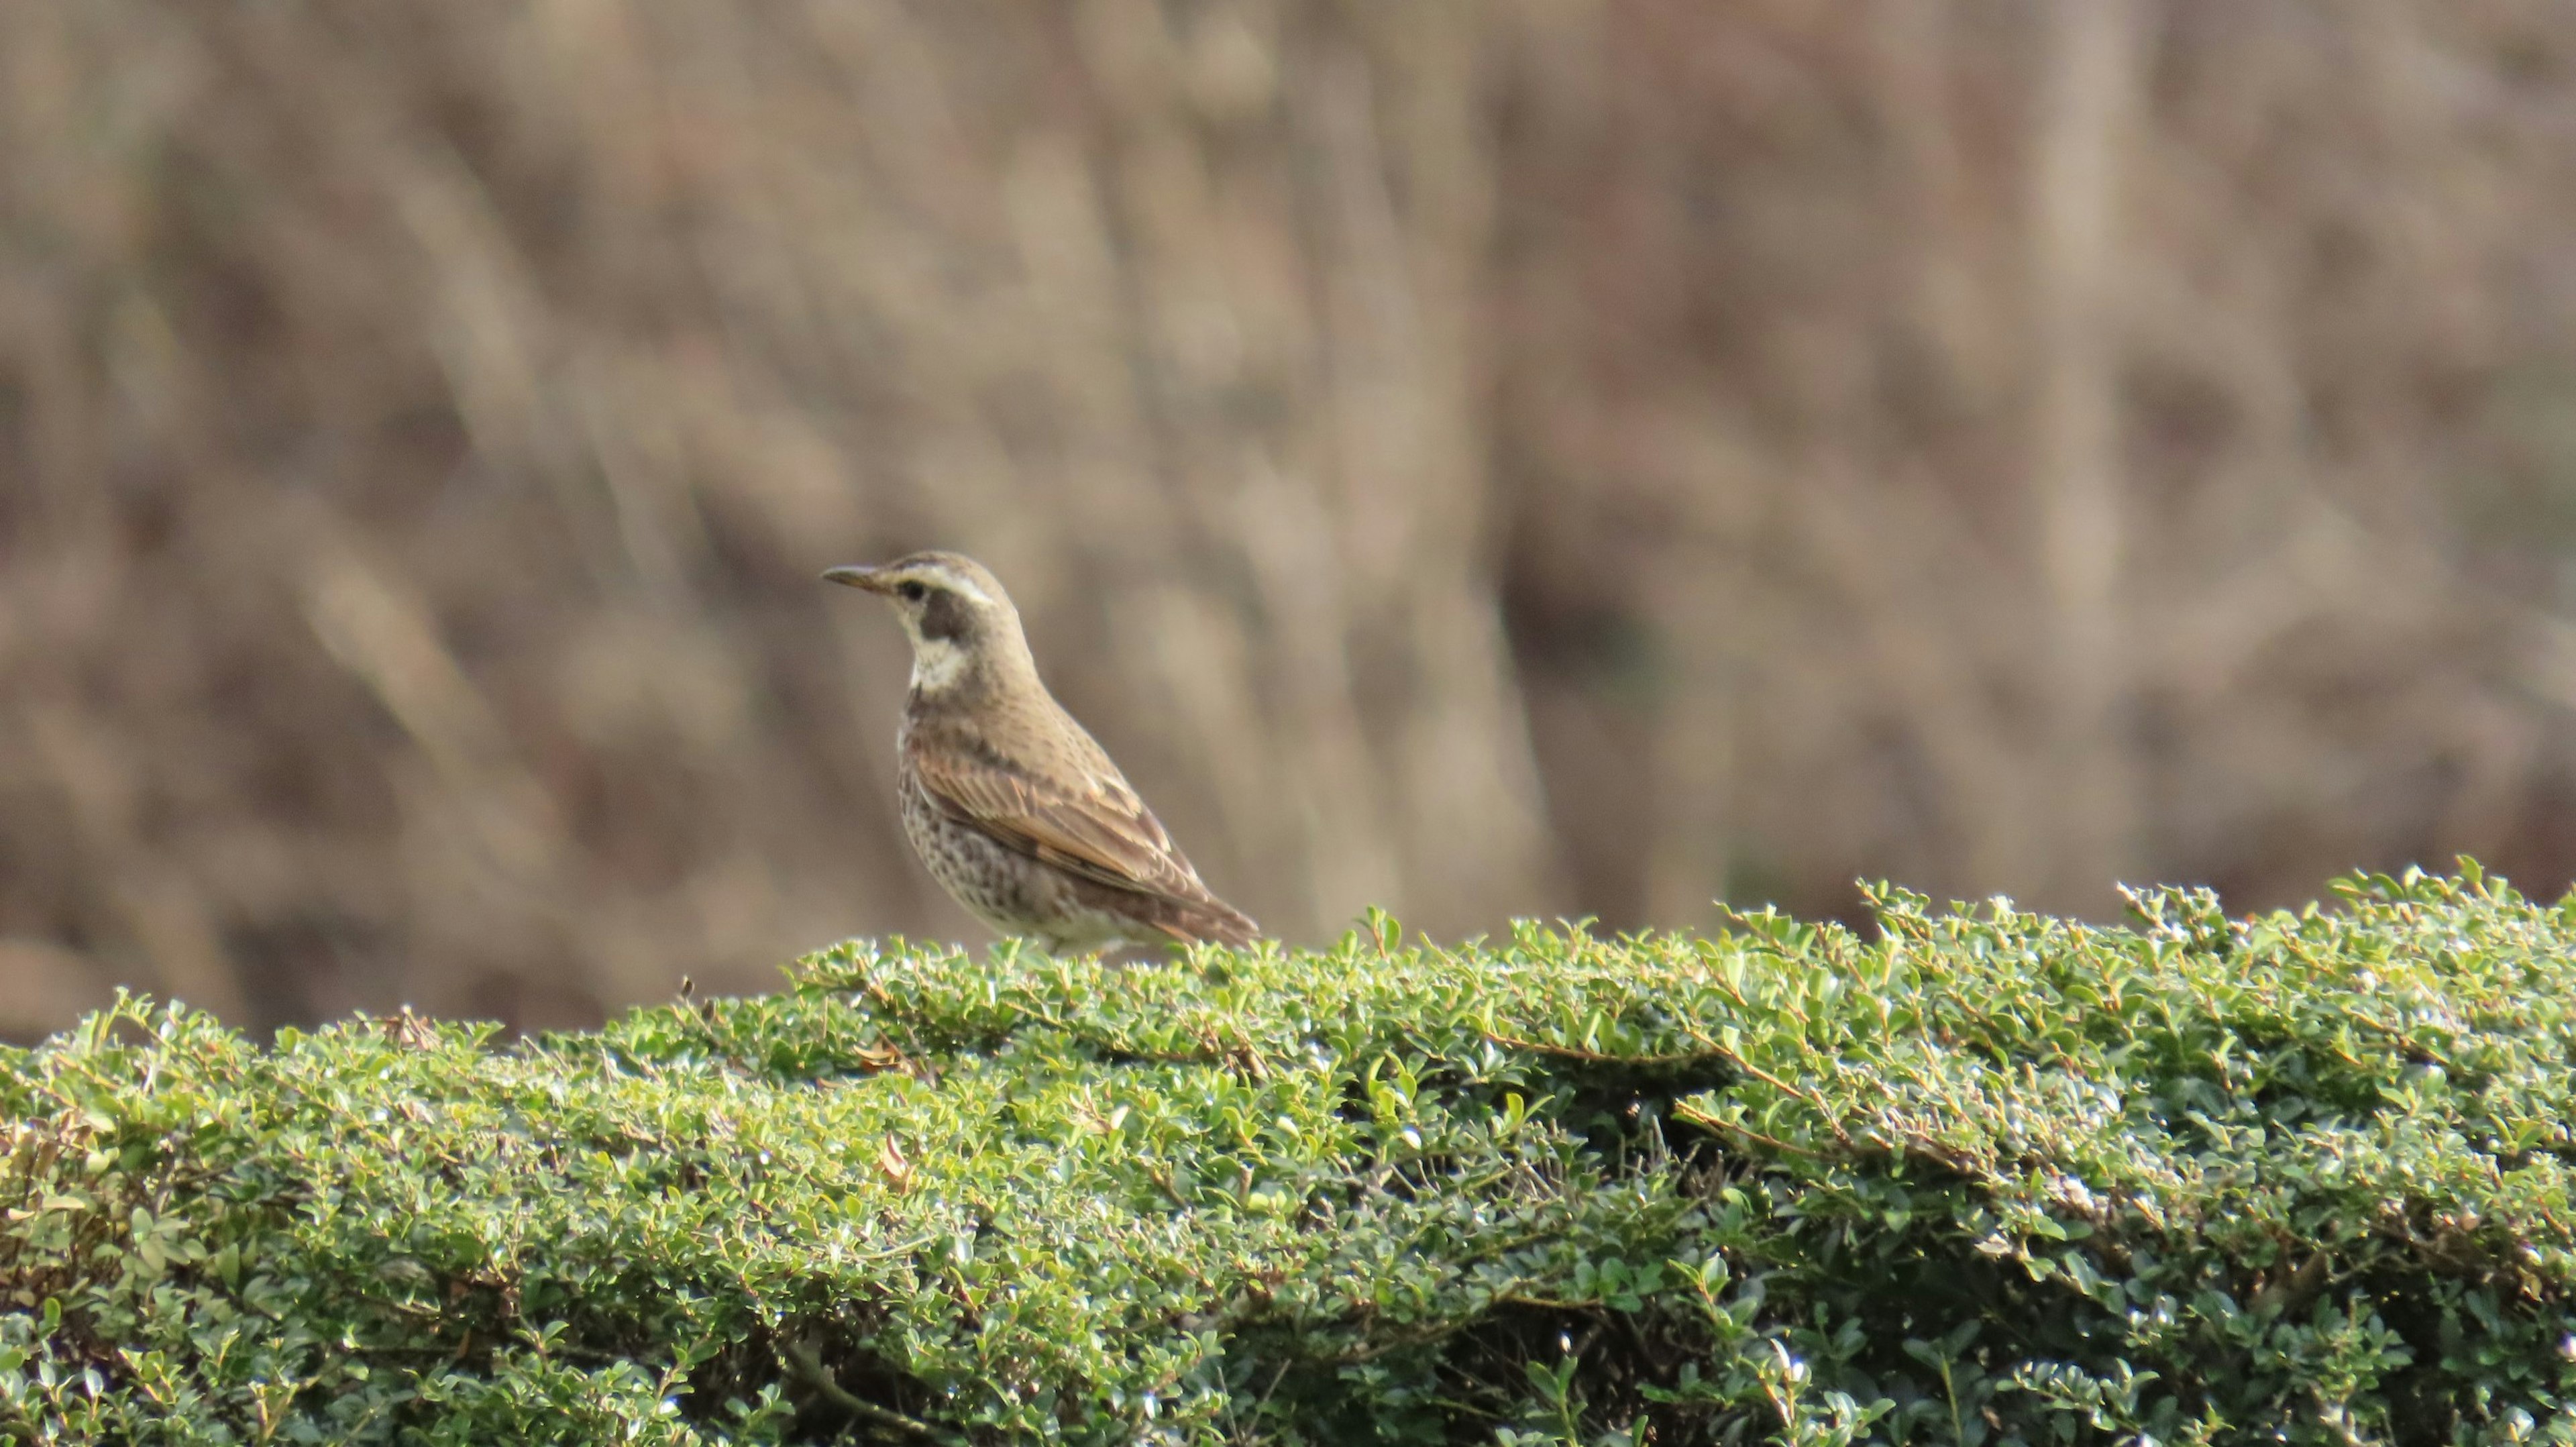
[1985, 1177]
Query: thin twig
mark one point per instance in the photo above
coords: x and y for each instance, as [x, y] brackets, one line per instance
[802, 1362]
[1591, 1057]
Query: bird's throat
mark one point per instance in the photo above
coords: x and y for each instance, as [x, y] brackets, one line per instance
[937, 665]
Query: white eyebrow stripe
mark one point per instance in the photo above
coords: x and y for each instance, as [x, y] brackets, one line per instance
[959, 583]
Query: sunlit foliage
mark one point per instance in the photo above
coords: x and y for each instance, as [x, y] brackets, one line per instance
[1974, 1176]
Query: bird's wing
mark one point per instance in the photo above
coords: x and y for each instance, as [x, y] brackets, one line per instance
[1088, 822]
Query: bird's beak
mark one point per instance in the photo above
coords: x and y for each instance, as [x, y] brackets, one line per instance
[872, 579]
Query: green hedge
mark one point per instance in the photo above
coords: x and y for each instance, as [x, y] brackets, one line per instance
[1971, 1177]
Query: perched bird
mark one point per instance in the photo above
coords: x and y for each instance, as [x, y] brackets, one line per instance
[1018, 813]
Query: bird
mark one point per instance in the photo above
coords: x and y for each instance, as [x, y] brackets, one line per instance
[1010, 803]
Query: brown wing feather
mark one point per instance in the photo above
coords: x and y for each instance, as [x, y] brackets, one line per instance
[1096, 827]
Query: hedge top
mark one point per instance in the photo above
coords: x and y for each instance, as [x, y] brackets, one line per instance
[1983, 1176]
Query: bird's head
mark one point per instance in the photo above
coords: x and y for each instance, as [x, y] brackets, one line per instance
[960, 621]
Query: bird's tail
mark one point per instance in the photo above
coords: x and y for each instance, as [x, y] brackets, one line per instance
[1209, 921]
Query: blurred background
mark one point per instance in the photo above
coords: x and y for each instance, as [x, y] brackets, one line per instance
[1486, 458]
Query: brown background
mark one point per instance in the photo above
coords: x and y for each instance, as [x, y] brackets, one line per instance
[1520, 458]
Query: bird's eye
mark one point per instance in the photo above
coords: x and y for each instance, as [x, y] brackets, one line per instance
[912, 592]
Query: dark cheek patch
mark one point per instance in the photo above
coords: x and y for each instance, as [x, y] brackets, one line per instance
[944, 616]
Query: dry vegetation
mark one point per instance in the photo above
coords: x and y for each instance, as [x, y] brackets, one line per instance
[1555, 455]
